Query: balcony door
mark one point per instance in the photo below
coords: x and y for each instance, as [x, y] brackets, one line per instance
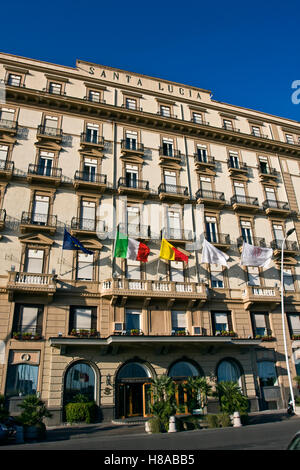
[88, 215]
[179, 320]
[92, 133]
[176, 271]
[51, 125]
[202, 153]
[240, 192]
[170, 181]
[40, 210]
[45, 163]
[131, 175]
[34, 261]
[247, 232]
[234, 160]
[174, 224]
[131, 140]
[271, 197]
[168, 147]
[89, 169]
[211, 229]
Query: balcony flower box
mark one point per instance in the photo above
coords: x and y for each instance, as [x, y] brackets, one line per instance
[265, 337]
[26, 336]
[180, 333]
[296, 337]
[84, 333]
[231, 334]
[135, 332]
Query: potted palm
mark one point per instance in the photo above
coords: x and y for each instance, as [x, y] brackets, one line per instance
[34, 411]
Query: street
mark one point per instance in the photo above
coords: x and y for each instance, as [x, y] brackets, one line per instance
[267, 436]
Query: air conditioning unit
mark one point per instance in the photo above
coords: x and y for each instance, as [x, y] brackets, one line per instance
[197, 330]
[118, 327]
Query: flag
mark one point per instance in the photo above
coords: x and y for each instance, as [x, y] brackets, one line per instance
[131, 249]
[169, 252]
[211, 254]
[256, 256]
[71, 243]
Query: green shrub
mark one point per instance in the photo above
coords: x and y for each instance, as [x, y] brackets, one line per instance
[81, 412]
[231, 398]
[212, 421]
[4, 413]
[156, 425]
[34, 410]
[297, 400]
[224, 420]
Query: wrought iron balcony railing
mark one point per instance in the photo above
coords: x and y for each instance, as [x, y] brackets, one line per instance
[246, 200]
[8, 124]
[288, 246]
[132, 145]
[31, 218]
[49, 131]
[207, 194]
[218, 238]
[177, 234]
[270, 204]
[90, 177]
[135, 230]
[133, 184]
[42, 170]
[169, 152]
[173, 189]
[89, 225]
[6, 166]
[255, 241]
[200, 158]
[237, 166]
[91, 138]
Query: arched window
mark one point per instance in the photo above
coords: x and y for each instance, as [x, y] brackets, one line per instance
[267, 373]
[228, 371]
[80, 379]
[133, 370]
[183, 369]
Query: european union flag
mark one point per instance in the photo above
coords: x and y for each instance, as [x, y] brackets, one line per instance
[71, 243]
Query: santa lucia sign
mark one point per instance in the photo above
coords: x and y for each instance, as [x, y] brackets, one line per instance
[107, 74]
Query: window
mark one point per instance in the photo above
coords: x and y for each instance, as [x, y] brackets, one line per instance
[256, 131]
[202, 153]
[228, 371]
[253, 276]
[82, 318]
[131, 175]
[206, 186]
[55, 88]
[294, 323]
[263, 165]
[80, 379]
[28, 319]
[176, 271]
[51, 125]
[88, 215]
[289, 138]
[227, 124]
[130, 103]
[174, 224]
[260, 324]
[179, 321]
[89, 169]
[92, 133]
[131, 140]
[133, 269]
[197, 118]
[234, 159]
[267, 373]
[170, 180]
[278, 233]
[240, 193]
[8, 115]
[247, 232]
[3, 155]
[133, 220]
[216, 276]
[132, 319]
[168, 147]
[14, 80]
[165, 111]
[94, 96]
[45, 164]
[22, 380]
[40, 210]
[271, 197]
[288, 280]
[220, 322]
[34, 261]
[211, 229]
[85, 267]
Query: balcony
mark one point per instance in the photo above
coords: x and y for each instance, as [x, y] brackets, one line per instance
[133, 187]
[244, 203]
[6, 169]
[31, 283]
[169, 154]
[263, 297]
[167, 114]
[49, 133]
[219, 240]
[291, 248]
[204, 162]
[210, 198]
[237, 169]
[8, 127]
[255, 241]
[147, 290]
[132, 147]
[136, 230]
[173, 192]
[91, 141]
[276, 208]
[31, 221]
[2, 218]
[177, 235]
[267, 174]
[83, 226]
[40, 174]
[92, 182]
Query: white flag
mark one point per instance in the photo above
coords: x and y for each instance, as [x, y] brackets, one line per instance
[256, 256]
[211, 254]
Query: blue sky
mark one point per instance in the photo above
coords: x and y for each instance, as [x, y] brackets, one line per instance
[246, 53]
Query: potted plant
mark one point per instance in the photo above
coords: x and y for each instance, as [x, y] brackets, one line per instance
[134, 332]
[34, 411]
[180, 333]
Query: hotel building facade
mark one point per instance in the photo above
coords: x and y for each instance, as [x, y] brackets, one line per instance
[92, 149]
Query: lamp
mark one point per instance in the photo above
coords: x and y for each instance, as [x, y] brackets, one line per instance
[289, 232]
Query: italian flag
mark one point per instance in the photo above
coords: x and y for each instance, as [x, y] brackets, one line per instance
[131, 249]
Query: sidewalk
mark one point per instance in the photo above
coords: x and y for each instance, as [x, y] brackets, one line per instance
[66, 432]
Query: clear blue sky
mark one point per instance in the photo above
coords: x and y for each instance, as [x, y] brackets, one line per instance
[246, 53]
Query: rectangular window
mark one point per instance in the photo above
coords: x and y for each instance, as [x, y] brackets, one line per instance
[131, 175]
[89, 169]
[28, 318]
[176, 271]
[247, 232]
[94, 96]
[211, 229]
[85, 267]
[278, 232]
[288, 280]
[234, 159]
[168, 147]
[260, 326]
[197, 118]
[170, 180]
[227, 124]
[253, 276]
[294, 323]
[220, 322]
[133, 215]
[92, 133]
[51, 125]
[133, 319]
[202, 153]
[179, 320]
[82, 318]
[289, 138]
[165, 111]
[40, 210]
[131, 140]
[3, 153]
[88, 215]
[240, 193]
[263, 165]
[14, 80]
[205, 184]
[256, 131]
[131, 103]
[133, 269]
[34, 261]
[45, 164]
[55, 88]
[174, 224]
[7, 114]
[271, 197]
[216, 276]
